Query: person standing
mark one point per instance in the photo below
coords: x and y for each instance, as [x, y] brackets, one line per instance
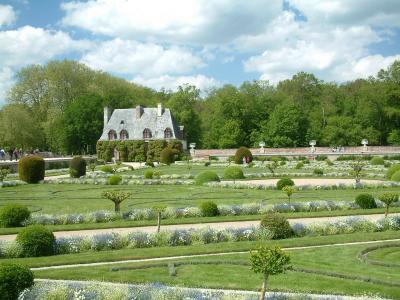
[10, 153]
[16, 154]
[2, 154]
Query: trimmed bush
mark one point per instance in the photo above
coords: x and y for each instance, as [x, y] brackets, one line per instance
[318, 172]
[284, 182]
[329, 162]
[393, 169]
[167, 156]
[107, 169]
[241, 153]
[14, 278]
[366, 201]
[114, 180]
[36, 240]
[209, 209]
[148, 174]
[396, 176]
[233, 173]
[14, 215]
[206, 176]
[321, 157]
[377, 160]
[77, 167]
[277, 226]
[299, 165]
[31, 169]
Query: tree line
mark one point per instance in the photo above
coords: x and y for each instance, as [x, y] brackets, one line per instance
[59, 107]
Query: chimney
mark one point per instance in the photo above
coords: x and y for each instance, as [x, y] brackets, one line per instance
[139, 111]
[182, 133]
[159, 110]
[107, 113]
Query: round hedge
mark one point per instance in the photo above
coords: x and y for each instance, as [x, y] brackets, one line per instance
[107, 169]
[393, 169]
[36, 240]
[366, 201]
[241, 153]
[318, 172]
[299, 165]
[396, 176]
[209, 209]
[31, 168]
[167, 156]
[277, 226]
[77, 167]
[14, 278]
[284, 182]
[206, 176]
[114, 180]
[233, 173]
[377, 160]
[14, 215]
[148, 174]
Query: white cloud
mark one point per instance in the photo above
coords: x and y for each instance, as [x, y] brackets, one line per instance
[189, 21]
[6, 81]
[7, 15]
[172, 82]
[147, 59]
[29, 45]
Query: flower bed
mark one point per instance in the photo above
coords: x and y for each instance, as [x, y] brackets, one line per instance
[112, 241]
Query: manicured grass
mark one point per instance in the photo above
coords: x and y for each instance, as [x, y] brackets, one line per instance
[386, 255]
[69, 198]
[126, 254]
[341, 260]
[125, 223]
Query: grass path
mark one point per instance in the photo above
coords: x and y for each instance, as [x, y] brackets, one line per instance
[215, 225]
[204, 255]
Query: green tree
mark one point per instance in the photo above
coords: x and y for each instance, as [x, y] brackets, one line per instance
[268, 261]
[388, 199]
[289, 191]
[159, 209]
[117, 197]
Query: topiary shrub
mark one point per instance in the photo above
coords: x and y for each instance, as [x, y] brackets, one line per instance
[167, 156]
[241, 153]
[377, 160]
[31, 169]
[148, 174]
[233, 173]
[14, 215]
[209, 209]
[329, 162]
[206, 176]
[396, 176]
[299, 165]
[77, 167]
[321, 157]
[114, 180]
[366, 201]
[36, 240]
[277, 226]
[107, 169]
[393, 169]
[14, 278]
[318, 172]
[284, 182]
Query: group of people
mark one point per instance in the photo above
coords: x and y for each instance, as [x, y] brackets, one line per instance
[14, 153]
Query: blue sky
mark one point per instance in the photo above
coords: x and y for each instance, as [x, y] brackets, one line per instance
[160, 43]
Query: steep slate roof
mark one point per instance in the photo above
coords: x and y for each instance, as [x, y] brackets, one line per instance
[135, 127]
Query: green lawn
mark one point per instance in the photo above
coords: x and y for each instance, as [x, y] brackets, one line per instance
[386, 255]
[209, 272]
[68, 198]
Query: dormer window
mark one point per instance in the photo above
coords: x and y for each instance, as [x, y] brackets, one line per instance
[146, 134]
[112, 135]
[123, 135]
[122, 122]
[167, 133]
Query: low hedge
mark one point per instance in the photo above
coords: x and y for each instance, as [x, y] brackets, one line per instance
[277, 226]
[209, 209]
[206, 176]
[31, 168]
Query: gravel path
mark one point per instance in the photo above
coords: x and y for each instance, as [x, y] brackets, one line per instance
[308, 181]
[219, 225]
[202, 255]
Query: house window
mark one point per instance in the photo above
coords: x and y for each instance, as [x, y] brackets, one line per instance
[167, 133]
[147, 134]
[112, 135]
[123, 135]
[122, 122]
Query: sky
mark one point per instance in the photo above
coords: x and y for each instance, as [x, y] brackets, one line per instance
[208, 43]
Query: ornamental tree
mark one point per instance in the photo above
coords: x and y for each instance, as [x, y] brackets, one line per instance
[388, 199]
[289, 191]
[117, 197]
[159, 209]
[268, 261]
[356, 171]
[3, 174]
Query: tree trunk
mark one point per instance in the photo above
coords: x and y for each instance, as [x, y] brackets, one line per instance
[117, 207]
[159, 221]
[264, 287]
[387, 210]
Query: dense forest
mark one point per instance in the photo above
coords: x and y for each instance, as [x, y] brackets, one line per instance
[59, 107]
